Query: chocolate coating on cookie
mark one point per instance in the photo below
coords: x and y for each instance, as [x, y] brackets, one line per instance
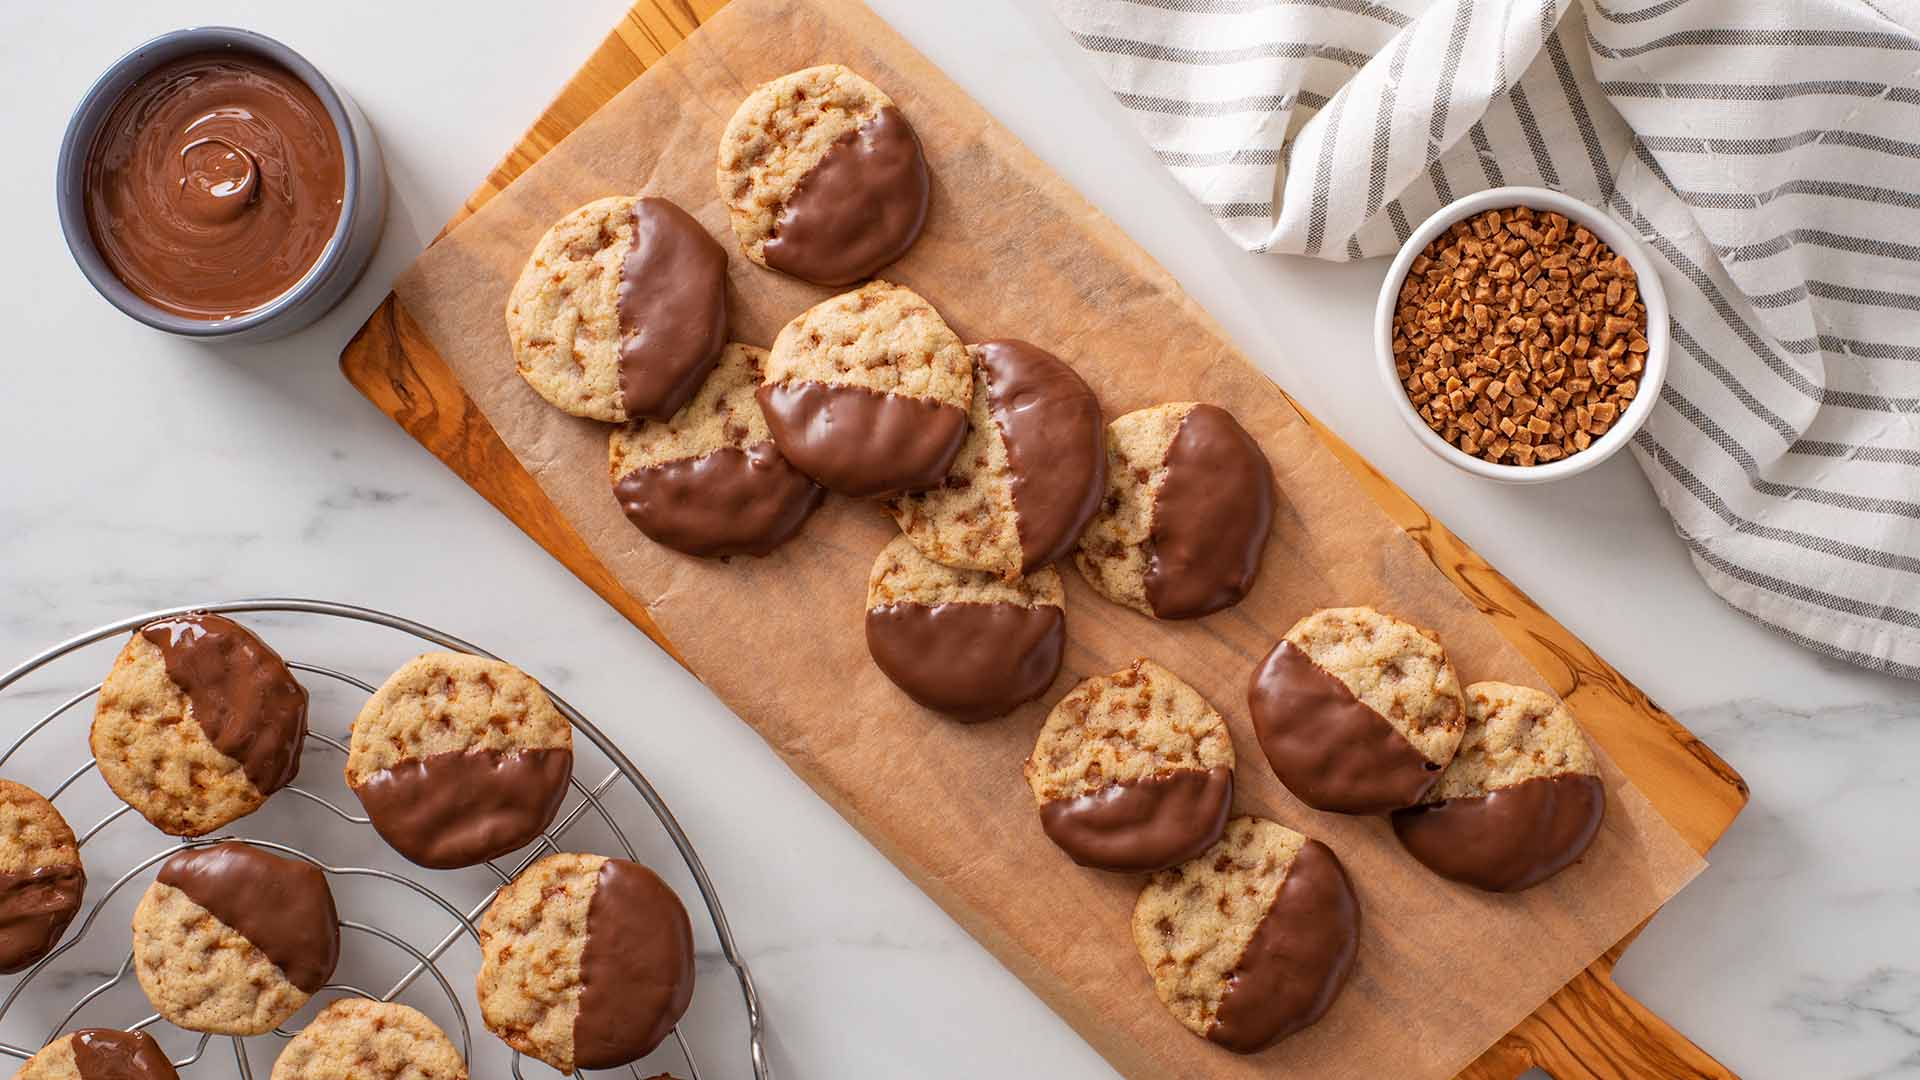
[636, 969]
[863, 442]
[283, 906]
[107, 1054]
[1327, 746]
[1056, 445]
[971, 661]
[35, 909]
[1298, 958]
[1210, 518]
[243, 696]
[1143, 825]
[858, 209]
[729, 501]
[1509, 839]
[672, 310]
[462, 808]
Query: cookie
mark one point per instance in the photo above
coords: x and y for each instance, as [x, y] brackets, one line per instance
[248, 713]
[1521, 801]
[354, 1039]
[823, 177]
[961, 642]
[709, 481]
[42, 880]
[1189, 502]
[459, 759]
[1133, 771]
[99, 1054]
[1030, 475]
[867, 392]
[586, 962]
[1356, 711]
[1252, 941]
[621, 310]
[232, 940]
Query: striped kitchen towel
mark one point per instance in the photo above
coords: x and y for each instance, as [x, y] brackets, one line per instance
[1767, 150]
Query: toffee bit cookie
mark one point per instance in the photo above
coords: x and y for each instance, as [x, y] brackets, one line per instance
[586, 962]
[1521, 801]
[1029, 476]
[823, 177]
[710, 482]
[962, 642]
[99, 1054]
[232, 940]
[459, 759]
[354, 1039]
[41, 878]
[1356, 711]
[1252, 941]
[1133, 771]
[248, 722]
[621, 310]
[868, 392]
[1189, 502]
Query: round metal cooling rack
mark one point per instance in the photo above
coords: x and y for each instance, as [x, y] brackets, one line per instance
[425, 962]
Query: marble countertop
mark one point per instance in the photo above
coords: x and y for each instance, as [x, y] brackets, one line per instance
[142, 472]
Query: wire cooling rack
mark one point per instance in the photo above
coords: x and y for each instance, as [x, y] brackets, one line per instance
[89, 980]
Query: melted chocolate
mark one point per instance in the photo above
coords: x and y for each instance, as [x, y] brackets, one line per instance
[727, 502]
[1331, 750]
[1510, 839]
[243, 696]
[1210, 517]
[214, 184]
[462, 808]
[673, 310]
[1298, 958]
[106, 1054]
[35, 908]
[971, 661]
[282, 906]
[636, 970]
[1143, 825]
[861, 442]
[860, 208]
[1056, 446]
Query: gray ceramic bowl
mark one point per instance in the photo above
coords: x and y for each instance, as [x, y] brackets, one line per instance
[341, 261]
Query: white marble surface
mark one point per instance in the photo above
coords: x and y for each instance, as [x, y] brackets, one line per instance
[140, 472]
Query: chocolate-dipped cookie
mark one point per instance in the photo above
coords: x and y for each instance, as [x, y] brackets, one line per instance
[1133, 771]
[353, 1039]
[99, 1054]
[1252, 941]
[867, 392]
[198, 723]
[1030, 475]
[586, 962]
[823, 177]
[1357, 711]
[41, 878]
[710, 482]
[459, 759]
[961, 642]
[621, 310]
[1521, 801]
[1189, 503]
[232, 939]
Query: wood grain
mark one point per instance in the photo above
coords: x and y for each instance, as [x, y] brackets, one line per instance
[1591, 1029]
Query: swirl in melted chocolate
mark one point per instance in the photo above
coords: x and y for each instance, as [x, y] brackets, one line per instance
[241, 692]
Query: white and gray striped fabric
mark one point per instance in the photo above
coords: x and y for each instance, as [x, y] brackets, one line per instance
[1767, 150]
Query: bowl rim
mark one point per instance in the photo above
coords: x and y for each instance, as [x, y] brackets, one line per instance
[83, 126]
[1617, 237]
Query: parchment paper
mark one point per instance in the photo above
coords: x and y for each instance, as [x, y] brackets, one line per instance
[1009, 250]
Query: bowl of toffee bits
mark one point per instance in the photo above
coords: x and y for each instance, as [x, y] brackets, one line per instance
[1522, 335]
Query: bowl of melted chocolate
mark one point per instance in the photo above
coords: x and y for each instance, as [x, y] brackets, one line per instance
[214, 184]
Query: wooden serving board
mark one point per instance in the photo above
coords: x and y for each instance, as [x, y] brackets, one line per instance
[1590, 1029]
